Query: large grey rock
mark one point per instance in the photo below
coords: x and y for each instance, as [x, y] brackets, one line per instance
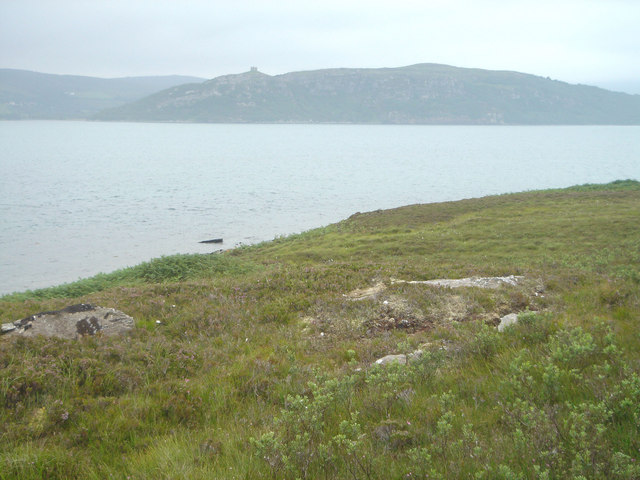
[73, 322]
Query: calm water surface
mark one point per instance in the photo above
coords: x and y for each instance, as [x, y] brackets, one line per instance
[79, 198]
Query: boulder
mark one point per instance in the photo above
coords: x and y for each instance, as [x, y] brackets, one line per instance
[507, 320]
[72, 322]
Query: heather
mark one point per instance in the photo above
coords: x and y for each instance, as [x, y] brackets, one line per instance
[254, 363]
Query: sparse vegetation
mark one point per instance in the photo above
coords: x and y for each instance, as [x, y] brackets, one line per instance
[261, 367]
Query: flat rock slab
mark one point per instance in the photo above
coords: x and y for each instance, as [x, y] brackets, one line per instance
[400, 358]
[479, 282]
[72, 322]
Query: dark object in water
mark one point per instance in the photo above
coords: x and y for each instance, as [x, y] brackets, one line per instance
[214, 240]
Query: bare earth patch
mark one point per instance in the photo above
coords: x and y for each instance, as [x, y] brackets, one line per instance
[397, 313]
[364, 293]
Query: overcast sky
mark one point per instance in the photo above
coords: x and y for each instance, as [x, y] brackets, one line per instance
[595, 42]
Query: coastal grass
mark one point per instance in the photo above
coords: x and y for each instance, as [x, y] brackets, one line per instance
[174, 268]
[261, 366]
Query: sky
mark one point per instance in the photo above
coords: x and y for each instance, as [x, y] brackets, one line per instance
[594, 42]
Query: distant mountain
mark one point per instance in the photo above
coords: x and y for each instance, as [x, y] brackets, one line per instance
[25, 94]
[417, 94]
[627, 86]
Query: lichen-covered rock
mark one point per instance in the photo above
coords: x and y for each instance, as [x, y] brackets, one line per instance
[400, 358]
[479, 282]
[73, 322]
[387, 359]
[7, 327]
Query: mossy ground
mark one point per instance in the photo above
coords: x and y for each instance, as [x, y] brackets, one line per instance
[261, 367]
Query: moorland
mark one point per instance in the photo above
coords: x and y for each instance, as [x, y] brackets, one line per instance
[259, 362]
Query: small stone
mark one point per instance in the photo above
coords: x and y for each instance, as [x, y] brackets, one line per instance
[507, 320]
[401, 358]
[415, 354]
[158, 322]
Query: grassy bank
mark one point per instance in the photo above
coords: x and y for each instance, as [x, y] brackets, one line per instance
[261, 365]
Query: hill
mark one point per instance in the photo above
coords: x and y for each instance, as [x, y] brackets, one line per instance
[259, 362]
[32, 95]
[417, 94]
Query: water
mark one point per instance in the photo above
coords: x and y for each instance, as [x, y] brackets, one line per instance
[79, 198]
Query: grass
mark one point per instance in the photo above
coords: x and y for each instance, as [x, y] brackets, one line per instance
[175, 268]
[261, 367]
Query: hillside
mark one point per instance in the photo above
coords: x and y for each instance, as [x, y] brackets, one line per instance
[417, 94]
[259, 362]
[32, 95]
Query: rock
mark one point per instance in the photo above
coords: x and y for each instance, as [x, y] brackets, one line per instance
[415, 355]
[7, 327]
[480, 282]
[73, 322]
[400, 358]
[213, 240]
[507, 320]
[386, 360]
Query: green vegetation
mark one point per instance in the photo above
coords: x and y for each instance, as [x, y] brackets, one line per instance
[175, 268]
[261, 367]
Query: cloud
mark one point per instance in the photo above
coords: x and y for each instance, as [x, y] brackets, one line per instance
[566, 39]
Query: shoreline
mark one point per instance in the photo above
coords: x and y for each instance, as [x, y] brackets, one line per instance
[229, 251]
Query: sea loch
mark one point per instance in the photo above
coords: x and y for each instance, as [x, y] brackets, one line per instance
[79, 198]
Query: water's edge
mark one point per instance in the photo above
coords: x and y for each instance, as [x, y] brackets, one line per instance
[80, 198]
